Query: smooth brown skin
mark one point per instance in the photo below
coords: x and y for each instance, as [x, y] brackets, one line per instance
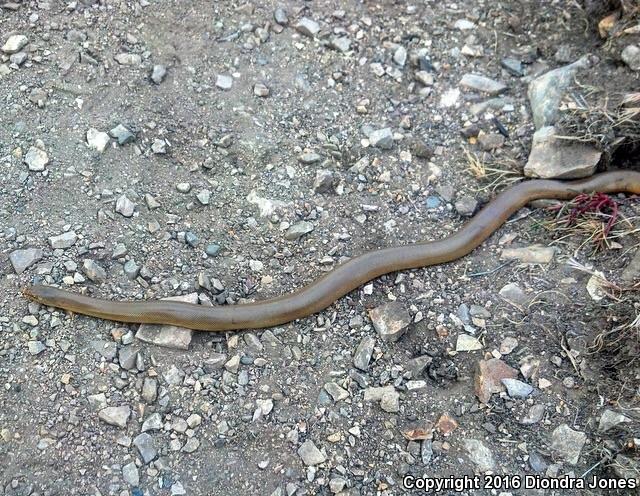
[344, 278]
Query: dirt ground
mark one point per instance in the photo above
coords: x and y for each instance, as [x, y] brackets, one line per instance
[238, 195]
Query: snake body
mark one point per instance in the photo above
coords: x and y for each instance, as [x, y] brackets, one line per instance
[346, 277]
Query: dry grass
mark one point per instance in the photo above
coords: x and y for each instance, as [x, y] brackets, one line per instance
[492, 178]
[606, 121]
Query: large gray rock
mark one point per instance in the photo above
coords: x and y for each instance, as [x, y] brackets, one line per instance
[553, 158]
[567, 444]
[546, 91]
[21, 260]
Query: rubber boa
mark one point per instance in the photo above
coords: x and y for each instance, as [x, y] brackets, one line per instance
[344, 278]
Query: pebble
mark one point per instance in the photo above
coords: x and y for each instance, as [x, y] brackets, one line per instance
[94, 271]
[466, 206]
[14, 43]
[115, 415]
[567, 443]
[122, 134]
[514, 294]
[21, 260]
[310, 454]
[610, 419]
[390, 320]
[489, 376]
[483, 84]
[479, 454]
[130, 474]
[97, 140]
[158, 73]
[467, 343]
[63, 241]
[224, 81]
[508, 345]
[159, 146]
[631, 56]
[491, 141]
[280, 16]
[309, 158]
[324, 180]
[124, 206]
[298, 230]
[36, 159]
[382, 138]
[517, 389]
[146, 446]
[128, 59]
[261, 90]
[362, 355]
[307, 27]
[36, 347]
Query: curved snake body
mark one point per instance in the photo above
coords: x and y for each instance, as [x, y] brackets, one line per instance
[346, 277]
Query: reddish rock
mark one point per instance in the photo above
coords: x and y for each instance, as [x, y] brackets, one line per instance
[489, 375]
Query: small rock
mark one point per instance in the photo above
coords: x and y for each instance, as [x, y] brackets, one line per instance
[224, 81]
[21, 260]
[610, 419]
[146, 447]
[307, 27]
[130, 474]
[467, 343]
[567, 444]
[482, 84]
[14, 43]
[298, 230]
[261, 90]
[159, 146]
[97, 140]
[122, 134]
[479, 454]
[336, 392]
[310, 453]
[466, 206]
[534, 415]
[94, 271]
[309, 158]
[115, 415]
[63, 241]
[489, 376]
[158, 74]
[517, 389]
[323, 182]
[280, 16]
[128, 59]
[631, 57]
[382, 138]
[514, 294]
[400, 56]
[390, 320]
[36, 159]
[490, 141]
[390, 401]
[508, 345]
[124, 206]
[535, 254]
[362, 355]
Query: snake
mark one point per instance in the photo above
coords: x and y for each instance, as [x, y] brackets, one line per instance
[344, 278]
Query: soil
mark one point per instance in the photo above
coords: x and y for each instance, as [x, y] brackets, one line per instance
[233, 143]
